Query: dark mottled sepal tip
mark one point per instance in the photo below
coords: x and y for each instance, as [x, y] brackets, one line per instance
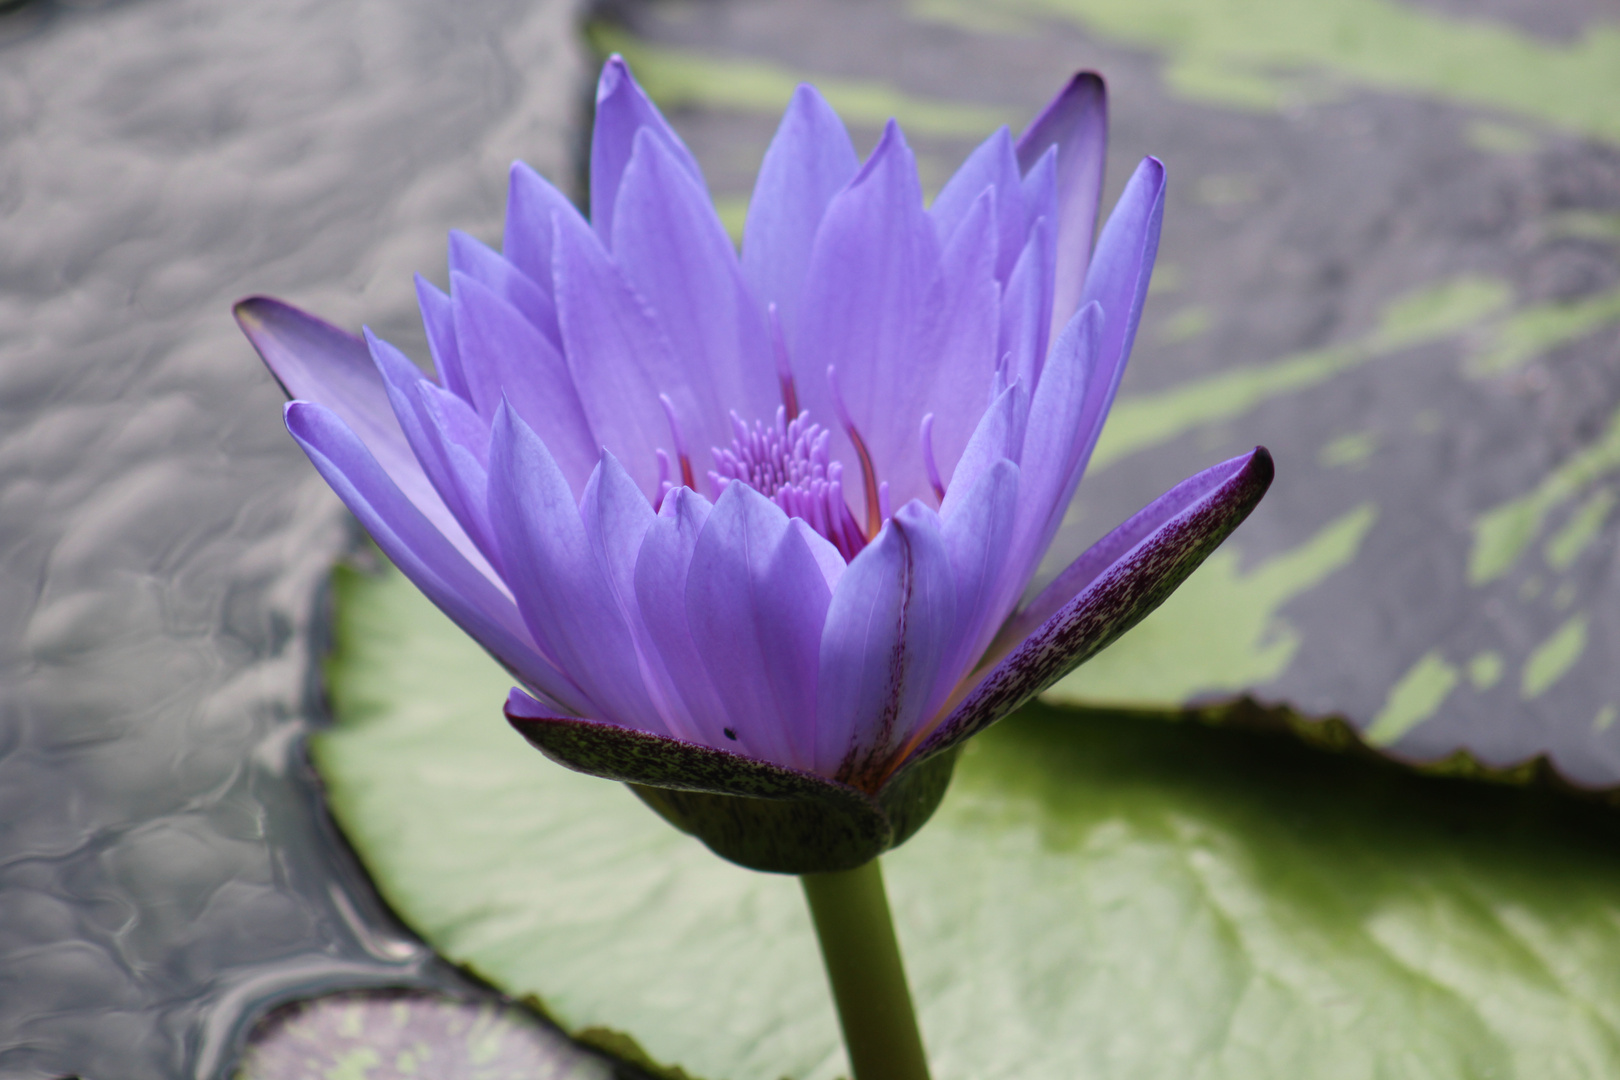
[762, 816]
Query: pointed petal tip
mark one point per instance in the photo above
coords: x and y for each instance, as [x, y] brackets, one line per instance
[248, 309]
[1263, 467]
[615, 73]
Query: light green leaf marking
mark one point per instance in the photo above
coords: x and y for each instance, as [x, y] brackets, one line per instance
[1494, 138]
[1348, 450]
[1536, 330]
[1416, 697]
[1585, 225]
[1485, 670]
[1553, 658]
[1185, 325]
[1605, 718]
[1429, 314]
[1220, 632]
[1502, 534]
[676, 77]
[1250, 54]
[1580, 530]
[1439, 310]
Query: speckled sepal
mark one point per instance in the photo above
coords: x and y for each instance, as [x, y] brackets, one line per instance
[762, 816]
[1119, 599]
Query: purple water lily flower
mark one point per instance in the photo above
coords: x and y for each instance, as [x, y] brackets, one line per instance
[753, 532]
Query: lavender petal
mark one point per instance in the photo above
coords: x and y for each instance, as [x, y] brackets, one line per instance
[1076, 123]
[809, 161]
[887, 630]
[623, 109]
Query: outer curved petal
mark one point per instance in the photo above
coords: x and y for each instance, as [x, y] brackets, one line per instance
[456, 472]
[622, 109]
[315, 361]
[756, 600]
[887, 635]
[415, 545]
[673, 250]
[566, 601]
[1115, 600]
[1076, 122]
[809, 161]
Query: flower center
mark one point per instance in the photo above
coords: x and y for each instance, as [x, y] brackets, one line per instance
[788, 462]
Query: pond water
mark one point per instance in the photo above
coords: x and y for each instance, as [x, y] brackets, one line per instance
[166, 867]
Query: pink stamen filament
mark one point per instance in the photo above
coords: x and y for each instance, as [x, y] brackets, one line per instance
[874, 508]
[928, 457]
[687, 479]
[784, 369]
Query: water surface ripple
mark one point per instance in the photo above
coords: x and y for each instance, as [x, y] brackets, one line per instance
[167, 871]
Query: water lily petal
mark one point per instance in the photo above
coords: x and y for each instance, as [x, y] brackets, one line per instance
[888, 629]
[962, 336]
[993, 166]
[670, 244]
[315, 361]
[526, 241]
[438, 321]
[1120, 270]
[485, 266]
[874, 263]
[1050, 456]
[622, 109]
[1115, 600]
[998, 436]
[1076, 123]
[756, 600]
[516, 361]
[420, 550]
[1026, 308]
[692, 707]
[977, 534]
[565, 598]
[619, 360]
[456, 474]
[810, 160]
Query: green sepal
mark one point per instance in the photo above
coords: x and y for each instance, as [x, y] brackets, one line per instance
[753, 813]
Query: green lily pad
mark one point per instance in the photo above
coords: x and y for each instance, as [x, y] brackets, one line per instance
[1096, 897]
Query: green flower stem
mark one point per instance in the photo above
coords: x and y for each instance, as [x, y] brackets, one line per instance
[852, 920]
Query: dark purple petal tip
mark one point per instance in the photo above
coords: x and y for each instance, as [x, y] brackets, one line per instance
[1116, 600]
